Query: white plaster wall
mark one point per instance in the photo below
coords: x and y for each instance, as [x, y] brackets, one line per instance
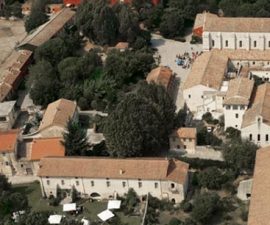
[84, 186]
[255, 129]
[194, 96]
[234, 38]
[230, 116]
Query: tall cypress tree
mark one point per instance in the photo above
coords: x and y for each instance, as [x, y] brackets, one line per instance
[75, 139]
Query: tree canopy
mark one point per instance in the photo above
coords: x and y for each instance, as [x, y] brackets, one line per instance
[107, 25]
[205, 206]
[141, 123]
[37, 15]
[240, 154]
[75, 139]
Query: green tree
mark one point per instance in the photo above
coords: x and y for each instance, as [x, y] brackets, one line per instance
[205, 207]
[52, 51]
[230, 7]
[130, 201]
[37, 15]
[75, 139]
[233, 133]
[204, 137]
[34, 218]
[172, 24]
[211, 178]
[43, 83]
[240, 155]
[4, 184]
[140, 125]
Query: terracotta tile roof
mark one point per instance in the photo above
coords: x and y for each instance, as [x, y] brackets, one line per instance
[186, 132]
[239, 91]
[260, 197]
[8, 140]
[210, 67]
[122, 45]
[201, 18]
[236, 24]
[58, 113]
[97, 167]
[5, 90]
[44, 147]
[161, 75]
[260, 106]
[49, 29]
[208, 70]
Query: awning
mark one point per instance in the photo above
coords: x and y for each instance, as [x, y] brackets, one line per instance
[105, 215]
[69, 207]
[114, 204]
[55, 219]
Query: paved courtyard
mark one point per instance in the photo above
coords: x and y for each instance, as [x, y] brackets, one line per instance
[168, 49]
[11, 33]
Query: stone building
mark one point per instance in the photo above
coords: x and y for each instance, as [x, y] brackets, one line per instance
[103, 178]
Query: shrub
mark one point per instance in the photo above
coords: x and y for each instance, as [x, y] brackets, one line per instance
[211, 178]
[175, 221]
[186, 206]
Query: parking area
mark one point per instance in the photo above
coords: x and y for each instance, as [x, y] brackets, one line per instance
[171, 52]
[11, 33]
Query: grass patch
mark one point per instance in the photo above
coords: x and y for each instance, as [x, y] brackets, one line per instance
[91, 209]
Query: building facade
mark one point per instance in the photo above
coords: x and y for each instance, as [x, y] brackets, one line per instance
[8, 151]
[236, 101]
[8, 115]
[185, 138]
[103, 178]
[256, 120]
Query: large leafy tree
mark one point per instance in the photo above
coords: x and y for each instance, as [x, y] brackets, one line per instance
[205, 206]
[172, 24]
[43, 83]
[240, 154]
[140, 124]
[75, 139]
[37, 15]
[52, 51]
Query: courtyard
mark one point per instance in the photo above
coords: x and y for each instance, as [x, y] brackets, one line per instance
[168, 50]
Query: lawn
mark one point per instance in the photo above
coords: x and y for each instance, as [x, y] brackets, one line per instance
[91, 209]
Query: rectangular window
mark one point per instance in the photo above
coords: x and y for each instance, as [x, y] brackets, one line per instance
[189, 96]
[259, 137]
[242, 107]
[226, 43]
[250, 137]
[77, 183]
[92, 183]
[62, 182]
[139, 184]
[228, 107]
[2, 118]
[266, 137]
[235, 107]
[236, 115]
[48, 182]
[124, 184]
[156, 185]
[202, 96]
[240, 44]
[108, 183]
[255, 44]
[213, 43]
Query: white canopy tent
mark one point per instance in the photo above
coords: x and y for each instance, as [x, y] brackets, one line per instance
[69, 207]
[105, 215]
[55, 219]
[85, 221]
[114, 204]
